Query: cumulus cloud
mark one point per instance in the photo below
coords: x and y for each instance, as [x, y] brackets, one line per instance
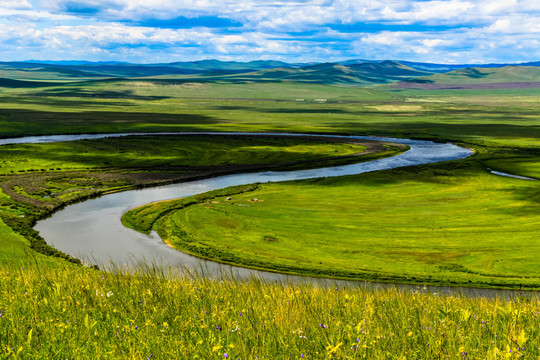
[313, 30]
[15, 4]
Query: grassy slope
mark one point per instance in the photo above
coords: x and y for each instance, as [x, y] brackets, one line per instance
[487, 75]
[64, 313]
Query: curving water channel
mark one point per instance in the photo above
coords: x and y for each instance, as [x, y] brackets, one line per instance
[92, 231]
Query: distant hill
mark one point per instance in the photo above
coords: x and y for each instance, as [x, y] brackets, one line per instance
[486, 75]
[356, 72]
[333, 73]
[41, 72]
[69, 70]
[216, 65]
[508, 77]
[443, 68]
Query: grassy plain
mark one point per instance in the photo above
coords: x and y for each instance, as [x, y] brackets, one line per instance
[502, 125]
[55, 310]
[501, 116]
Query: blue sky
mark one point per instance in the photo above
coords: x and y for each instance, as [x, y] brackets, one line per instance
[153, 31]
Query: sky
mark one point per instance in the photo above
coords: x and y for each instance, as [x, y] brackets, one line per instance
[161, 31]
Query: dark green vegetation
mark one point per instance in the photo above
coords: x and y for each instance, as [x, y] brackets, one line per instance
[483, 75]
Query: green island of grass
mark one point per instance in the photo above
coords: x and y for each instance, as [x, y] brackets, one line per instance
[451, 223]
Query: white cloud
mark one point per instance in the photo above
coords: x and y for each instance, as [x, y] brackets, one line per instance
[15, 4]
[515, 25]
[451, 30]
[430, 11]
[384, 38]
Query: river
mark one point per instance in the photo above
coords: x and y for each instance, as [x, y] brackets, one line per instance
[92, 230]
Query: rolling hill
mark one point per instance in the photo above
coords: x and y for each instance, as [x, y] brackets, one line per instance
[350, 73]
[479, 78]
[486, 75]
[332, 73]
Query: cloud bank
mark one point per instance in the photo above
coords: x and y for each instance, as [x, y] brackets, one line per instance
[150, 31]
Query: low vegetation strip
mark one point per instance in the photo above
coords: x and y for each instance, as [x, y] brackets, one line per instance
[74, 312]
[430, 223]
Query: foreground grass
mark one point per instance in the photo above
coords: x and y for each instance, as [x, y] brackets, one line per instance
[66, 312]
[450, 223]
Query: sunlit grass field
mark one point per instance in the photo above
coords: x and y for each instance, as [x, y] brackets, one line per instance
[72, 312]
[427, 224]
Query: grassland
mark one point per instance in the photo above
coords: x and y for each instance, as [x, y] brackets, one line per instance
[36, 179]
[68, 312]
[505, 135]
[51, 309]
[433, 224]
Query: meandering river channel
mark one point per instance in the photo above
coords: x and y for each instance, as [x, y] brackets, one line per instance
[92, 231]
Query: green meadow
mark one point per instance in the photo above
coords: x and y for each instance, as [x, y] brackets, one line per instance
[433, 224]
[451, 223]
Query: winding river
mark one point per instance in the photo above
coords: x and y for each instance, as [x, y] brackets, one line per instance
[92, 231]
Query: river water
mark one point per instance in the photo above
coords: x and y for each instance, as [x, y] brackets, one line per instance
[92, 230]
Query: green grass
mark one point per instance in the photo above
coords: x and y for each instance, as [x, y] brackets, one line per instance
[449, 223]
[504, 117]
[66, 312]
[166, 152]
[54, 310]
[524, 166]
[36, 179]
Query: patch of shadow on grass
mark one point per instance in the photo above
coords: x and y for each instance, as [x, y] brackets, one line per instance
[435, 131]
[280, 110]
[72, 103]
[48, 120]
[102, 94]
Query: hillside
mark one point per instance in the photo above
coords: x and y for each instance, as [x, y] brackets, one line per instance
[351, 72]
[486, 75]
[508, 77]
[333, 73]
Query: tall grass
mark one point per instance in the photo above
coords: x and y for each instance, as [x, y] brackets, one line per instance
[73, 312]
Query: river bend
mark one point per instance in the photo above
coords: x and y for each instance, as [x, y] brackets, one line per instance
[92, 230]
